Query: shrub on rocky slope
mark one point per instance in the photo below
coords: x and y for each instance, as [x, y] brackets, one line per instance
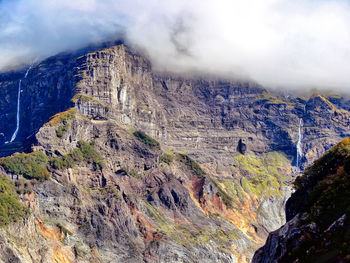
[30, 165]
[11, 209]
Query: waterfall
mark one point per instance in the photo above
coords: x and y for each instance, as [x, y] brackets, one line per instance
[299, 149]
[14, 135]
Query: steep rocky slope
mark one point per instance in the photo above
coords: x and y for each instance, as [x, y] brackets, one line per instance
[207, 186]
[318, 227]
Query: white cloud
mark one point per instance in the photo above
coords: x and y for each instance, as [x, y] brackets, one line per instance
[286, 43]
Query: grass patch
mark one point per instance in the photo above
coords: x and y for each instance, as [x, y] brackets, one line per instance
[11, 209]
[62, 117]
[29, 165]
[147, 140]
[191, 164]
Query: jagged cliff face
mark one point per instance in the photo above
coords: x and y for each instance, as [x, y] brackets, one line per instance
[187, 113]
[139, 206]
[318, 224]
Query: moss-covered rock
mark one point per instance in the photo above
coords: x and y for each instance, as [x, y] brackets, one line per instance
[144, 138]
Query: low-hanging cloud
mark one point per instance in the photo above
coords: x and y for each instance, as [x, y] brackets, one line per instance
[280, 43]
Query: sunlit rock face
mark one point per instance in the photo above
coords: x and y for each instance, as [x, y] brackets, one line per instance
[210, 191]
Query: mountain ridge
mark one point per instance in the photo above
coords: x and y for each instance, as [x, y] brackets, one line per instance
[193, 168]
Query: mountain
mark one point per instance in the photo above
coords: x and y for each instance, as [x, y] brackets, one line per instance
[318, 227]
[125, 164]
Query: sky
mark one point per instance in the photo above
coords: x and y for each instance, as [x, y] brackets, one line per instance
[277, 43]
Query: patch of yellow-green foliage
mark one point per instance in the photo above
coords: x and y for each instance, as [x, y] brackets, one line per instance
[263, 175]
[266, 173]
[83, 152]
[62, 117]
[29, 165]
[270, 98]
[11, 209]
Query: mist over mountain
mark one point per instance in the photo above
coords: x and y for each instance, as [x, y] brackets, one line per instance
[278, 43]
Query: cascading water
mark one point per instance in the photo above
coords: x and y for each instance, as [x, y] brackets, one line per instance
[14, 135]
[299, 149]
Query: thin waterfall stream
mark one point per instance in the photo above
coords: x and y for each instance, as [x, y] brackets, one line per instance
[299, 147]
[14, 135]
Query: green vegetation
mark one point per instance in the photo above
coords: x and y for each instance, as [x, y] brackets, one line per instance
[29, 165]
[84, 152]
[11, 209]
[325, 198]
[63, 162]
[166, 158]
[147, 140]
[61, 130]
[325, 165]
[62, 117]
[191, 164]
